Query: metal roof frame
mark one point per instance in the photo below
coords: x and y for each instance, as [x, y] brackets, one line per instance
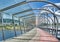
[24, 2]
[26, 15]
[48, 16]
[22, 12]
[45, 17]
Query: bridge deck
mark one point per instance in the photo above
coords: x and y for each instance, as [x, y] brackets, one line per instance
[35, 35]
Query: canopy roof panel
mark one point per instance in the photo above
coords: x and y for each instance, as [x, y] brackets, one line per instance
[19, 8]
[6, 3]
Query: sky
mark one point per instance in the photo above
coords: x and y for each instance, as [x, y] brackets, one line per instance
[55, 1]
[6, 3]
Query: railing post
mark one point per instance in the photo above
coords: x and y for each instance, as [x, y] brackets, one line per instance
[2, 26]
[24, 25]
[20, 25]
[13, 21]
[55, 27]
[52, 26]
[48, 24]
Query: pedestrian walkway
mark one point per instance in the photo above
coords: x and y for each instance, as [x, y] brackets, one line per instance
[35, 35]
[24, 37]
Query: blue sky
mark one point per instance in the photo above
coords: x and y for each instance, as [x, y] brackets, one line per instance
[55, 1]
[6, 3]
[39, 4]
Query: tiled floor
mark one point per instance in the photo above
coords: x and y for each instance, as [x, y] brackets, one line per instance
[35, 35]
[46, 37]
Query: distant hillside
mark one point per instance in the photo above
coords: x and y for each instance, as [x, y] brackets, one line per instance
[8, 20]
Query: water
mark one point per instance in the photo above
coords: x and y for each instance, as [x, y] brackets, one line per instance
[9, 34]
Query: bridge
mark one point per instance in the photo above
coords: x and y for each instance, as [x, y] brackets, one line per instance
[23, 21]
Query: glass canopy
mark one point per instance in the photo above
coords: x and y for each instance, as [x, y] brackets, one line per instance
[17, 16]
